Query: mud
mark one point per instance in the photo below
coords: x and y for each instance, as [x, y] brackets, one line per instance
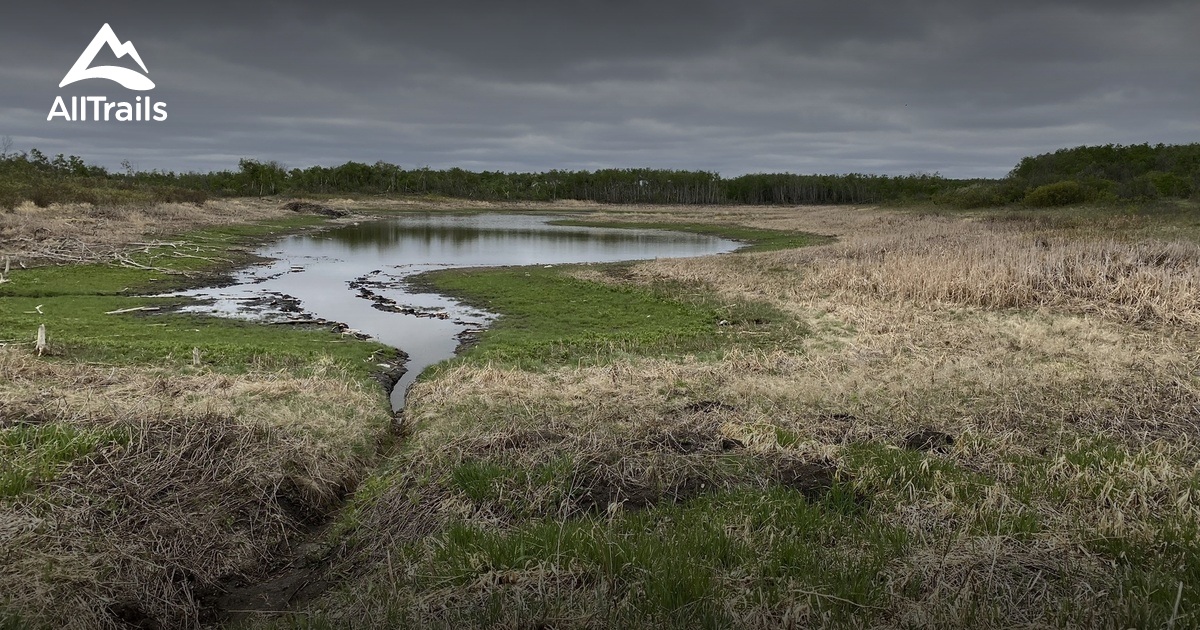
[308, 207]
[287, 588]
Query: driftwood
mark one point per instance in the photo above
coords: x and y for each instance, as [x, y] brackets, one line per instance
[128, 262]
[130, 310]
[72, 250]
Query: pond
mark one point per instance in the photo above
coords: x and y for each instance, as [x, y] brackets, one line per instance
[356, 274]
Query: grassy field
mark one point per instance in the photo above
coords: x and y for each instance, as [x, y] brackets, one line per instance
[134, 477]
[560, 316]
[920, 418]
[964, 419]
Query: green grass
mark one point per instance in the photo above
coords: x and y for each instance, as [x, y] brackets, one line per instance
[10, 620]
[956, 530]
[551, 318]
[1149, 563]
[903, 473]
[77, 329]
[478, 479]
[757, 240]
[73, 300]
[31, 453]
[672, 565]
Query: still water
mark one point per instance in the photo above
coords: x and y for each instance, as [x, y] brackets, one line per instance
[355, 274]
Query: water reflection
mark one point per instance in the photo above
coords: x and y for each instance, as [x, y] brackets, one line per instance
[378, 235]
[317, 269]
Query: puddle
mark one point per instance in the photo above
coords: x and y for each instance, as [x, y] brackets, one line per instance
[355, 274]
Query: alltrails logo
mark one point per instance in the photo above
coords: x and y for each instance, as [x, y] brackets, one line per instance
[99, 107]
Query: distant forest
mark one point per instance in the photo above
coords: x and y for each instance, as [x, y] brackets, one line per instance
[1068, 176]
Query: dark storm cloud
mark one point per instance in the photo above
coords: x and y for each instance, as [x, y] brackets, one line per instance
[964, 88]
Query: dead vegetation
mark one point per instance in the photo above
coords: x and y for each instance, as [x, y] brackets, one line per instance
[137, 490]
[937, 262]
[85, 233]
[1016, 401]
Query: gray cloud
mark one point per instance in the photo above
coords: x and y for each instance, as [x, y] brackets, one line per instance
[964, 88]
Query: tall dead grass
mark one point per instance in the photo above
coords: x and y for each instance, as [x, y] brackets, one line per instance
[82, 232]
[938, 262]
[1061, 362]
[979, 265]
[200, 477]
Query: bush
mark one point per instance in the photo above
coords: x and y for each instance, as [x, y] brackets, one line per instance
[1140, 188]
[1056, 194]
[77, 194]
[10, 196]
[181, 195]
[980, 195]
[1171, 184]
[42, 195]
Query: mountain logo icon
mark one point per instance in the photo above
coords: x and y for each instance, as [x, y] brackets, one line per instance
[130, 79]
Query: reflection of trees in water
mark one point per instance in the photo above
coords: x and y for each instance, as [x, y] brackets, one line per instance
[387, 235]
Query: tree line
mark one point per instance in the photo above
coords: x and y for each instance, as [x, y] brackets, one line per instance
[617, 186]
[34, 177]
[1066, 176]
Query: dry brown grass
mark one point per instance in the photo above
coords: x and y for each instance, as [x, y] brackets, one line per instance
[1061, 360]
[196, 477]
[82, 232]
[933, 261]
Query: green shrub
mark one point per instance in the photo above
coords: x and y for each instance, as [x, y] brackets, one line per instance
[77, 194]
[1170, 184]
[42, 195]
[175, 194]
[1056, 194]
[120, 197]
[980, 195]
[10, 195]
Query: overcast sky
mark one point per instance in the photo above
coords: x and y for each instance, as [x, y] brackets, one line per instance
[961, 87]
